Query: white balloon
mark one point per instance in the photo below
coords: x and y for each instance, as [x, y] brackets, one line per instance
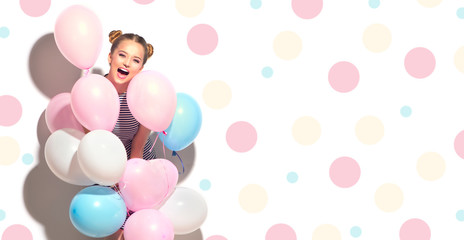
[102, 157]
[186, 209]
[61, 156]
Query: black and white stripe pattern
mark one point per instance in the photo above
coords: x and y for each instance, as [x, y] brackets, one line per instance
[126, 128]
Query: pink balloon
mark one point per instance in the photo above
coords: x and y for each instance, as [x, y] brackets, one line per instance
[59, 114]
[95, 102]
[78, 36]
[148, 224]
[152, 100]
[147, 184]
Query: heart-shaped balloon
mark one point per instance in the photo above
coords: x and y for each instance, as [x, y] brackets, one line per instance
[147, 184]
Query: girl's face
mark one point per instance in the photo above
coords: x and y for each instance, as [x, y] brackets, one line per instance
[126, 61]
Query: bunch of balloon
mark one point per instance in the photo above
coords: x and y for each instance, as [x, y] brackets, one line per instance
[82, 150]
[95, 160]
[177, 119]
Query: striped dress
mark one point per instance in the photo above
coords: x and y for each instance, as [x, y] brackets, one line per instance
[126, 128]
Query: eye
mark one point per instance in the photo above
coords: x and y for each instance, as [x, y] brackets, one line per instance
[136, 60]
[122, 55]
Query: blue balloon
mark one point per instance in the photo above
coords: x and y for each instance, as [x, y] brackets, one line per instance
[185, 124]
[97, 211]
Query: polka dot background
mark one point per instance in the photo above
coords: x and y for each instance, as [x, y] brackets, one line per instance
[419, 62]
[253, 198]
[217, 94]
[389, 197]
[377, 38]
[353, 123]
[287, 45]
[306, 130]
[281, 231]
[343, 77]
[344, 172]
[190, 8]
[431, 166]
[369, 130]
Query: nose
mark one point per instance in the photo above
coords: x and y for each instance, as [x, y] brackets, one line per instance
[126, 63]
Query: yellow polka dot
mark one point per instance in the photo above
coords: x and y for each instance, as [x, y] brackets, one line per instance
[326, 232]
[369, 130]
[287, 45]
[431, 166]
[459, 59]
[429, 3]
[389, 197]
[9, 150]
[190, 8]
[306, 130]
[377, 38]
[217, 94]
[253, 198]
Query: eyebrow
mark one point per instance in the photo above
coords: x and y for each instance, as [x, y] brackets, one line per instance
[128, 54]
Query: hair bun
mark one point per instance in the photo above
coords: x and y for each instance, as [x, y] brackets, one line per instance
[149, 50]
[114, 34]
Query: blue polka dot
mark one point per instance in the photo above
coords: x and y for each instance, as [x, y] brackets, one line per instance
[374, 3]
[460, 215]
[292, 177]
[2, 215]
[4, 32]
[460, 13]
[28, 158]
[205, 184]
[355, 231]
[406, 111]
[255, 4]
[267, 72]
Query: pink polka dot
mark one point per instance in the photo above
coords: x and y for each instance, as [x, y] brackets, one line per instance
[10, 110]
[307, 9]
[415, 229]
[144, 1]
[241, 136]
[17, 232]
[419, 62]
[459, 144]
[343, 77]
[344, 172]
[202, 39]
[216, 237]
[279, 232]
[35, 8]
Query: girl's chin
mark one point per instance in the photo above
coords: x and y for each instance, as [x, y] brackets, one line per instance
[122, 81]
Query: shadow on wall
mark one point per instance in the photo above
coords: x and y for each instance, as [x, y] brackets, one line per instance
[47, 197]
[196, 235]
[50, 71]
[184, 160]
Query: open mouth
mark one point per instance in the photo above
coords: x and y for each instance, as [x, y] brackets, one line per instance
[123, 71]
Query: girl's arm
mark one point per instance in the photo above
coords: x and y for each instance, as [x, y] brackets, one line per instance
[139, 141]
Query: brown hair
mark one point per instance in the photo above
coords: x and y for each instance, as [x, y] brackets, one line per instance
[116, 36]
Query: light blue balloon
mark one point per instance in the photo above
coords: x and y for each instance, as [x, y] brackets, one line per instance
[185, 125]
[97, 211]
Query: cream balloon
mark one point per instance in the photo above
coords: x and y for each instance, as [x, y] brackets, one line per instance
[102, 157]
[186, 209]
[61, 156]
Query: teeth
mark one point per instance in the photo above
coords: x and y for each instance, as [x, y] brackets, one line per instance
[123, 71]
